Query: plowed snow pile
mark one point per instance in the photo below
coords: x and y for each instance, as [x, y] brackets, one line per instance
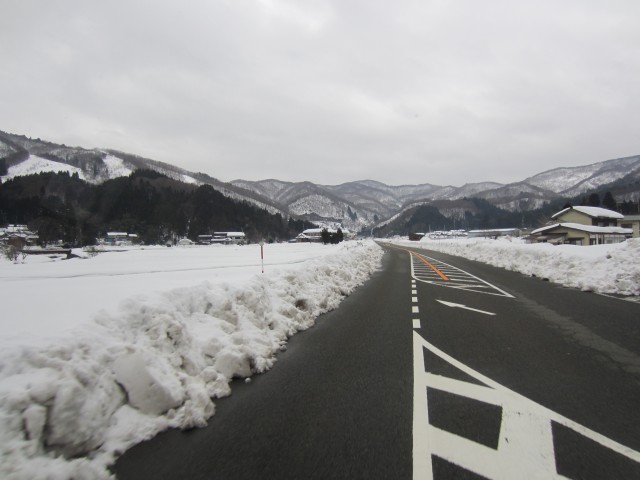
[69, 404]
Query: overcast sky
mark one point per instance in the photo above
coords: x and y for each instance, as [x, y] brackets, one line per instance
[400, 91]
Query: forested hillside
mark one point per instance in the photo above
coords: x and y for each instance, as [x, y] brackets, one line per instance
[479, 214]
[63, 207]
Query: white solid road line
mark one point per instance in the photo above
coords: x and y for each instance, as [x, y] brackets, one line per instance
[459, 305]
[525, 448]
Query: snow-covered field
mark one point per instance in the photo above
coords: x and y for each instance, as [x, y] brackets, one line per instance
[100, 353]
[609, 269]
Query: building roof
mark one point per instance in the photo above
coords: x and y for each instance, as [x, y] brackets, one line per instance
[501, 230]
[228, 234]
[585, 228]
[312, 231]
[594, 212]
[318, 230]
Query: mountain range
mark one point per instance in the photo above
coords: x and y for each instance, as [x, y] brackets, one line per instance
[355, 205]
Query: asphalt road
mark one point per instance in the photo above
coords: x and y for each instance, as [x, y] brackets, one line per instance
[511, 377]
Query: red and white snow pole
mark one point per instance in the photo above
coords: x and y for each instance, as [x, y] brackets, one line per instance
[262, 254]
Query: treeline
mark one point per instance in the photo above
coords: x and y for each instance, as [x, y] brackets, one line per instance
[482, 215]
[626, 207]
[158, 209]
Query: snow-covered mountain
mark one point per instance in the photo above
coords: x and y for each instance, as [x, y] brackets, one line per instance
[576, 180]
[355, 205]
[21, 155]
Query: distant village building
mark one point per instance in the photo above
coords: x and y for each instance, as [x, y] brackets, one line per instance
[223, 238]
[495, 233]
[120, 239]
[583, 226]
[314, 235]
[17, 235]
[230, 238]
[204, 239]
[447, 234]
[632, 222]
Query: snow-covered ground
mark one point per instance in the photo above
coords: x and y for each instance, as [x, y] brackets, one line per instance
[609, 269]
[100, 353]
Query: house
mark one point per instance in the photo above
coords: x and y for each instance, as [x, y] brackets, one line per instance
[315, 234]
[595, 216]
[18, 235]
[312, 235]
[632, 222]
[229, 238]
[495, 233]
[120, 238]
[583, 226]
[223, 238]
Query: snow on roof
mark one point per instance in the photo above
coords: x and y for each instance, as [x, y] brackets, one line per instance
[585, 228]
[505, 230]
[595, 212]
[330, 230]
[16, 229]
[229, 234]
[310, 231]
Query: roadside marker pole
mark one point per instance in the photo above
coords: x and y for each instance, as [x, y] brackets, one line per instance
[262, 255]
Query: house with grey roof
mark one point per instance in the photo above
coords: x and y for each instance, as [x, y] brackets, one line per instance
[583, 226]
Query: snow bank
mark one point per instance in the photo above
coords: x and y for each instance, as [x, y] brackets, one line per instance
[611, 269]
[68, 408]
[71, 291]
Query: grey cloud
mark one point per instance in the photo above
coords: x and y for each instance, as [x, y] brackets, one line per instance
[401, 92]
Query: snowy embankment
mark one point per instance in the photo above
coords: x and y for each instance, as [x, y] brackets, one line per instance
[610, 269]
[69, 405]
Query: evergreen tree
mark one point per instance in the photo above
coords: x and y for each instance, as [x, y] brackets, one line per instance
[337, 237]
[609, 202]
[325, 236]
[594, 200]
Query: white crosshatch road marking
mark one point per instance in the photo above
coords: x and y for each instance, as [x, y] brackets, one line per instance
[429, 270]
[525, 446]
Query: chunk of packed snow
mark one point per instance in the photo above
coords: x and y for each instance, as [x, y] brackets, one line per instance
[70, 404]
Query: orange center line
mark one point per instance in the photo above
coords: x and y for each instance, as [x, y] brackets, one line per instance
[430, 265]
[427, 262]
